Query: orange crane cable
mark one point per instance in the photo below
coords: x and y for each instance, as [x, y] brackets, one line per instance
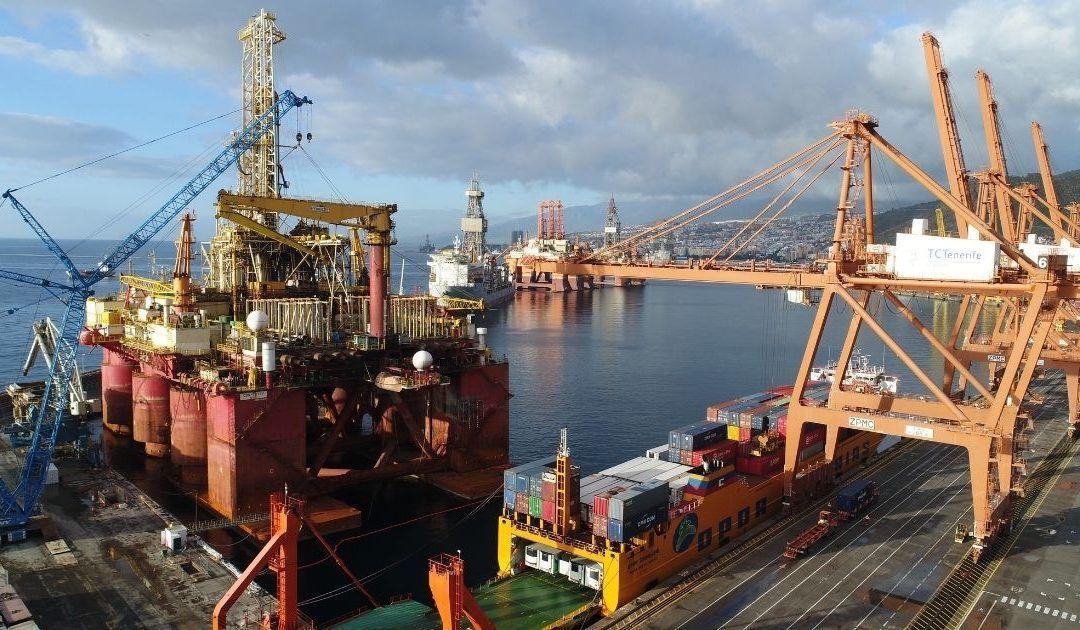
[739, 197]
[784, 208]
[772, 203]
[662, 224]
[709, 209]
[765, 209]
[626, 243]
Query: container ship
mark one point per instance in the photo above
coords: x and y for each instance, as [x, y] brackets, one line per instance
[589, 544]
[468, 270]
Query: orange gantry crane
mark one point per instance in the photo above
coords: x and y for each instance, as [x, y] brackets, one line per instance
[984, 418]
[280, 555]
[446, 578]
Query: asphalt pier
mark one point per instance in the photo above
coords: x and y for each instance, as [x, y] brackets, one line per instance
[95, 560]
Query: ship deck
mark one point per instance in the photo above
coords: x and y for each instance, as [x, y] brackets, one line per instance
[882, 573]
[532, 599]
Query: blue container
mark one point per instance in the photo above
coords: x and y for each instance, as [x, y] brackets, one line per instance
[509, 498]
[522, 484]
[623, 531]
[510, 480]
[629, 505]
[855, 496]
[615, 530]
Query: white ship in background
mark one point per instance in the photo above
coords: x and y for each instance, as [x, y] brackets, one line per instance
[468, 269]
[860, 373]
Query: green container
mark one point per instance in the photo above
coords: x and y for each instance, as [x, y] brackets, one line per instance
[536, 506]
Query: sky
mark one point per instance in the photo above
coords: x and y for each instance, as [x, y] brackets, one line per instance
[658, 103]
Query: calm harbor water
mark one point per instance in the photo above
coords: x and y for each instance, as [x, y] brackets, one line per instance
[618, 367]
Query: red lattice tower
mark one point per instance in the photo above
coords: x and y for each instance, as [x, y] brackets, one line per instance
[549, 220]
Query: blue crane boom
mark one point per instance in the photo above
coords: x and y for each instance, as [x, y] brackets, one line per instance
[18, 505]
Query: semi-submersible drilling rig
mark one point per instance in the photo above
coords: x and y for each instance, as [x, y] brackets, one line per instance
[289, 362]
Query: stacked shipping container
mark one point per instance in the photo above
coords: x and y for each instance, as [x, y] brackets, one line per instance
[625, 500]
[530, 489]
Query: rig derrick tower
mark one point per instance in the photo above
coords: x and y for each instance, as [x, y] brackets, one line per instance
[474, 223]
[612, 224]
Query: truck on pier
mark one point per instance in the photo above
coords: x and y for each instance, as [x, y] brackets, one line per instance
[804, 542]
[855, 498]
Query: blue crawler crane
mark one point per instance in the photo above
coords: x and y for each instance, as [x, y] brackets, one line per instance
[19, 504]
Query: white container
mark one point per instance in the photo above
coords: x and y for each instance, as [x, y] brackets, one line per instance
[564, 563]
[548, 563]
[576, 574]
[174, 537]
[921, 257]
[594, 576]
[658, 452]
[532, 556]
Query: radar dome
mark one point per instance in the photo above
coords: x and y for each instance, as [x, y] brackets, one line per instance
[257, 320]
[422, 360]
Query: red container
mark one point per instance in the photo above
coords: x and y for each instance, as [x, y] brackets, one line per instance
[547, 511]
[781, 425]
[744, 434]
[725, 451]
[599, 505]
[548, 491]
[764, 466]
[686, 458]
[599, 526]
[812, 436]
[521, 503]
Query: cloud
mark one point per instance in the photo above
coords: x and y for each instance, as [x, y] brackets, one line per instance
[646, 100]
[60, 143]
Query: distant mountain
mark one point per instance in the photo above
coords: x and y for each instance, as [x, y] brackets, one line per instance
[887, 224]
[442, 225]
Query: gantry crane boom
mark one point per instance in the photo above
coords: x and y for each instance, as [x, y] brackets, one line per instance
[148, 285]
[18, 504]
[1011, 225]
[949, 137]
[1042, 153]
[243, 141]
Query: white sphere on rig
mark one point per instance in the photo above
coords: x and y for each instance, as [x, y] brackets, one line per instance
[257, 320]
[422, 360]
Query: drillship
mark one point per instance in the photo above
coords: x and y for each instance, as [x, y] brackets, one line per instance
[468, 269]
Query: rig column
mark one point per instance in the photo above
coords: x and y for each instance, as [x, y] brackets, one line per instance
[377, 275]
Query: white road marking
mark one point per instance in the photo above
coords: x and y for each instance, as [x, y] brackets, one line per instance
[838, 553]
[916, 462]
